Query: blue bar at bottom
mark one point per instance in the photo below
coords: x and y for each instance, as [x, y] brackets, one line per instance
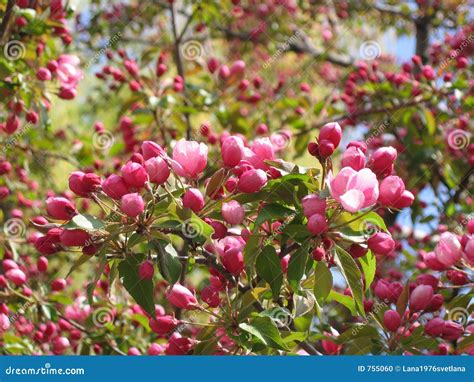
[229, 369]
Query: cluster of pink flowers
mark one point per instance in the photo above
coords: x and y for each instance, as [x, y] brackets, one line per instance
[66, 70]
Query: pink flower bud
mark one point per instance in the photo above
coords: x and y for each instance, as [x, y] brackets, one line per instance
[326, 148]
[4, 323]
[317, 224]
[434, 327]
[181, 297]
[43, 74]
[189, 158]
[134, 175]
[163, 325]
[391, 320]
[60, 345]
[42, 264]
[381, 161]
[469, 251]
[132, 205]
[448, 249]
[405, 200]
[83, 184]
[179, 345]
[16, 276]
[233, 212]
[74, 237]
[67, 93]
[381, 243]
[224, 72]
[210, 296]
[60, 208]
[313, 204]
[32, 117]
[237, 68]
[146, 270]
[331, 132]
[353, 157]
[151, 150]
[58, 285]
[8, 264]
[232, 151]
[115, 187]
[391, 190]
[382, 290]
[155, 349]
[193, 199]
[436, 303]
[252, 181]
[157, 169]
[420, 297]
[452, 331]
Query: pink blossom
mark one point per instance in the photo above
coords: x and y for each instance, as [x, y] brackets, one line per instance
[355, 190]
[68, 71]
[448, 249]
[189, 158]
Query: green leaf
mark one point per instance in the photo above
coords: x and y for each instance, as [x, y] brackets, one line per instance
[168, 263]
[85, 222]
[296, 266]
[141, 290]
[91, 286]
[361, 223]
[322, 282]
[429, 120]
[347, 301]
[251, 250]
[269, 268]
[351, 273]
[369, 264]
[271, 212]
[266, 331]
